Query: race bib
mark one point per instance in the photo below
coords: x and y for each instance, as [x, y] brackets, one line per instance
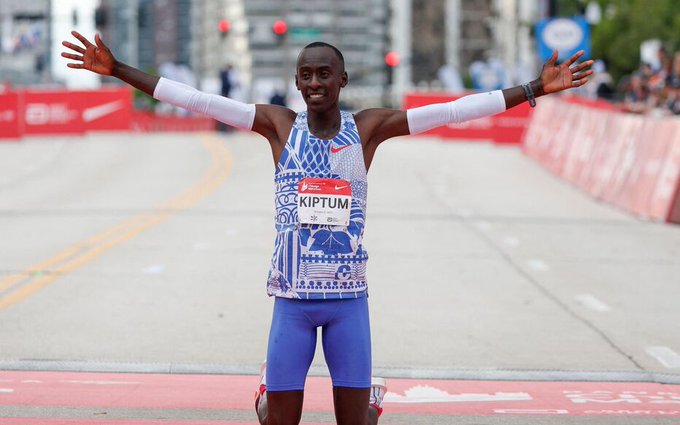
[324, 201]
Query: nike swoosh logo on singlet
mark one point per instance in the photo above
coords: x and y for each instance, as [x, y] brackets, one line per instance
[336, 150]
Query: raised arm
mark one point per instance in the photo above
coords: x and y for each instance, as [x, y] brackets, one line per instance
[377, 125]
[99, 59]
[273, 122]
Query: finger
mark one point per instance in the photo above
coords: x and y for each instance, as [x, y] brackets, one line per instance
[579, 83]
[575, 57]
[82, 38]
[553, 58]
[582, 74]
[581, 66]
[75, 65]
[72, 56]
[98, 40]
[73, 47]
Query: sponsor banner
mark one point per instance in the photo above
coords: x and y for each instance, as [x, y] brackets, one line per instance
[106, 109]
[538, 137]
[143, 121]
[652, 150]
[628, 160]
[11, 125]
[52, 112]
[64, 112]
[507, 127]
[628, 141]
[665, 201]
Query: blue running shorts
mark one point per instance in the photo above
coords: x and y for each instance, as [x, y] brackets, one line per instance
[346, 339]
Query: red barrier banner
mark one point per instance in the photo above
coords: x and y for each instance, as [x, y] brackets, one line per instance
[11, 124]
[631, 161]
[665, 203]
[52, 112]
[538, 136]
[75, 112]
[107, 109]
[507, 127]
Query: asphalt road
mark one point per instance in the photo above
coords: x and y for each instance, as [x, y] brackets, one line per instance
[149, 253]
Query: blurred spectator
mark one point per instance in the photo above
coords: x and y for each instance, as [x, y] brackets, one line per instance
[451, 79]
[277, 99]
[673, 86]
[653, 90]
[636, 95]
[226, 80]
[602, 84]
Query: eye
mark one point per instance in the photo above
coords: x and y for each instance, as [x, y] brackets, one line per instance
[325, 74]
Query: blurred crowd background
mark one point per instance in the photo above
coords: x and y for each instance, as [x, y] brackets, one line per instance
[246, 49]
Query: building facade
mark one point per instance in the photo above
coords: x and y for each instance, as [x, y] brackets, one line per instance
[24, 41]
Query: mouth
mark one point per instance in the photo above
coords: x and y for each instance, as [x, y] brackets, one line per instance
[316, 95]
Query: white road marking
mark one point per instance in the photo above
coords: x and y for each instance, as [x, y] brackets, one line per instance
[31, 381]
[428, 394]
[665, 356]
[101, 382]
[533, 411]
[537, 265]
[592, 303]
[6, 390]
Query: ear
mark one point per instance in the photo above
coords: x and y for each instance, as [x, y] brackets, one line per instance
[344, 79]
[297, 85]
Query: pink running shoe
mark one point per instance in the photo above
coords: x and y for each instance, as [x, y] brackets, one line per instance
[261, 395]
[378, 391]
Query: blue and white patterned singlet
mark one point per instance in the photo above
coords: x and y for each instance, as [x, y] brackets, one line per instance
[313, 261]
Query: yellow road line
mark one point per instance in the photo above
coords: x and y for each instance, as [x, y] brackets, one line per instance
[82, 253]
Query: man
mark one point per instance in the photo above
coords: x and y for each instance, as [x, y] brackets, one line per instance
[321, 157]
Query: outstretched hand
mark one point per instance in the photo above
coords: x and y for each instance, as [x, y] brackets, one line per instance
[564, 76]
[93, 57]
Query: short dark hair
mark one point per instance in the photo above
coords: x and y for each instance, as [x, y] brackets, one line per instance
[338, 53]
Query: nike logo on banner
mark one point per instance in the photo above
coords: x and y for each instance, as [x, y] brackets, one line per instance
[340, 187]
[336, 150]
[99, 111]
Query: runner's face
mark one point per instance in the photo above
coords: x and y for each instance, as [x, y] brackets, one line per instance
[320, 76]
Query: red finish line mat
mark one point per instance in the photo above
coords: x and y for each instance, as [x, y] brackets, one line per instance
[412, 396]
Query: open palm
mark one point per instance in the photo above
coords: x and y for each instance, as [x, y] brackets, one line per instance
[564, 76]
[93, 57]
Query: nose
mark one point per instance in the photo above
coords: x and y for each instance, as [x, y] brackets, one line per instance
[315, 83]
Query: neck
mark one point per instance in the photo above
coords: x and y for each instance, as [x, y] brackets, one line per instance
[324, 124]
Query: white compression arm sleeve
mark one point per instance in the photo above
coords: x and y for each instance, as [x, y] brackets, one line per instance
[460, 110]
[229, 111]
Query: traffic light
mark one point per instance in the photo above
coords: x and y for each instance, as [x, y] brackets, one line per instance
[224, 27]
[392, 59]
[280, 28]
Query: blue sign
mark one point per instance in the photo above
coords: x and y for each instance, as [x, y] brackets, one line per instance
[567, 35]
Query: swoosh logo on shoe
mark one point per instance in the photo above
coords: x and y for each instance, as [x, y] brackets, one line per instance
[336, 150]
[95, 112]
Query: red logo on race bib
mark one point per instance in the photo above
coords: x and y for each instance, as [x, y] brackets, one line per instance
[324, 187]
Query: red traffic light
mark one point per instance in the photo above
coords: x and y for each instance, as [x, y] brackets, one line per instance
[392, 59]
[280, 27]
[224, 25]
